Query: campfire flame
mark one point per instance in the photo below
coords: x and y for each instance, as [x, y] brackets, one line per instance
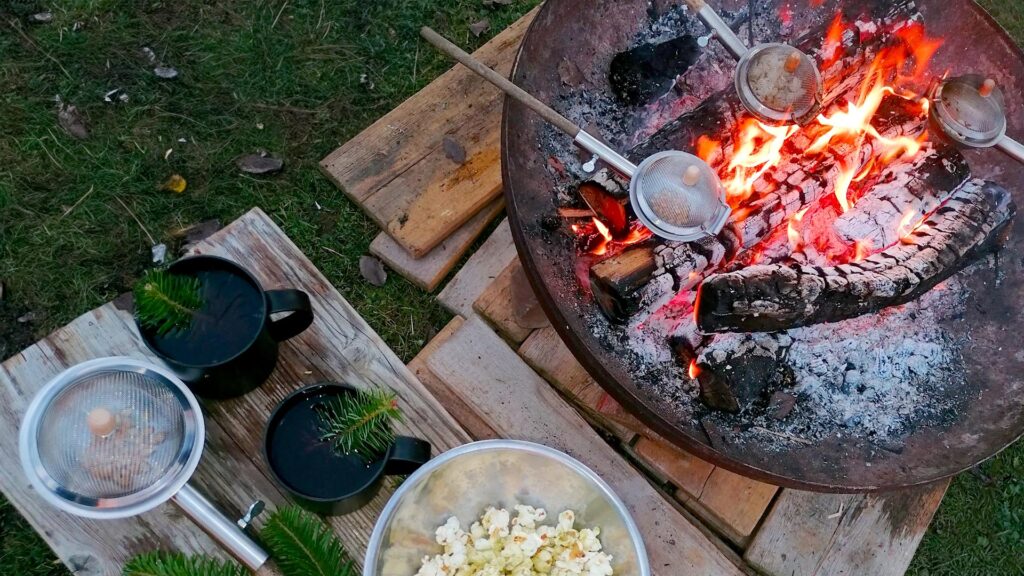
[596, 239]
[845, 132]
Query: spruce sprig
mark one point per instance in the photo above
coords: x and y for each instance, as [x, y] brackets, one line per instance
[302, 545]
[177, 564]
[361, 422]
[165, 301]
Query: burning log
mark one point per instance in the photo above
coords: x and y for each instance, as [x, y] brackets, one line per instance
[605, 207]
[615, 281]
[676, 266]
[974, 221]
[902, 195]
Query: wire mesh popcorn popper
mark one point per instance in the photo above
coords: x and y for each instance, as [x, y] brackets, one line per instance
[971, 111]
[674, 193]
[775, 82]
[116, 437]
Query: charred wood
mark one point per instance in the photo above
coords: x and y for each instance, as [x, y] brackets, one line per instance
[974, 221]
[902, 195]
[740, 370]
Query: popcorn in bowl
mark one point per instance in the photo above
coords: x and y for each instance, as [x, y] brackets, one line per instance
[498, 545]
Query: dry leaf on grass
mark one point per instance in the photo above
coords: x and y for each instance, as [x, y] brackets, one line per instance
[259, 163]
[71, 120]
[176, 183]
[478, 28]
[372, 270]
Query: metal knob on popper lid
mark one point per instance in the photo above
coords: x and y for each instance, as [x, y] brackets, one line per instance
[678, 196]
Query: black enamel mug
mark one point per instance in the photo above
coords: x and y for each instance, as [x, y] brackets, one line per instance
[309, 468]
[231, 346]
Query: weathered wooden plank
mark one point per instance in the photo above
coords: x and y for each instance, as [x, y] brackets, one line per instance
[396, 169]
[545, 352]
[339, 346]
[797, 532]
[880, 534]
[520, 404]
[477, 427]
[835, 534]
[684, 470]
[498, 307]
[447, 198]
[428, 272]
[736, 502]
[479, 271]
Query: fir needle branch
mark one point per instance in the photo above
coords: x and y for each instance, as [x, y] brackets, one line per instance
[164, 301]
[302, 545]
[361, 422]
[177, 564]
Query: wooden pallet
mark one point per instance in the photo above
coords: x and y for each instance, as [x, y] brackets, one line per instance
[339, 346]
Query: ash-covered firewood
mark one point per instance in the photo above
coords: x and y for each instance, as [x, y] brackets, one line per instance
[736, 371]
[974, 221]
[902, 194]
[778, 195]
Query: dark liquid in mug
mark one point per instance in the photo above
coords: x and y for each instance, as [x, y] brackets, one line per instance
[311, 466]
[232, 315]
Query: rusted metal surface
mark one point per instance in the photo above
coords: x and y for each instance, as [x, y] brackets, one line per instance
[588, 33]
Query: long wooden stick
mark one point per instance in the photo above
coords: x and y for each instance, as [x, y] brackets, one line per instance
[545, 111]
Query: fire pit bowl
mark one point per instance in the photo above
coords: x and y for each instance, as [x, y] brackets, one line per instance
[564, 61]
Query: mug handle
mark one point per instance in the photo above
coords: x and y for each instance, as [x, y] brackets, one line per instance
[407, 455]
[294, 301]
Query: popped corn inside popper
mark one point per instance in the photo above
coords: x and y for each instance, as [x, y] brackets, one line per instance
[499, 545]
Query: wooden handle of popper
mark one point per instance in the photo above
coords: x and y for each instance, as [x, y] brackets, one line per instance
[695, 4]
[545, 111]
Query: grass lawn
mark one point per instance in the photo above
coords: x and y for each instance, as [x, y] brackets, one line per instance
[297, 78]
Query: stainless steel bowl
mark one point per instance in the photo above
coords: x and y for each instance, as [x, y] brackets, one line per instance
[463, 482]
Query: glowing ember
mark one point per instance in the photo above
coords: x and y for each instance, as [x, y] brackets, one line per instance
[862, 249]
[693, 370]
[595, 238]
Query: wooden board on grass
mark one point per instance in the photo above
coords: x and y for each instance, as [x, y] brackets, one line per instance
[477, 427]
[809, 534]
[479, 271]
[428, 272]
[501, 387]
[339, 347]
[398, 170]
[498, 306]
